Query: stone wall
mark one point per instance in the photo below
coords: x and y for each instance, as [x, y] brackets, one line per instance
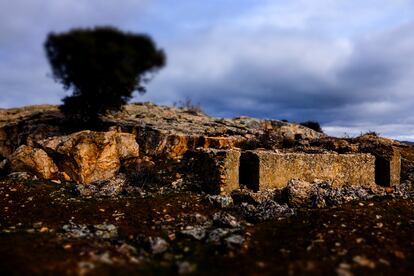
[265, 169]
[217, 171]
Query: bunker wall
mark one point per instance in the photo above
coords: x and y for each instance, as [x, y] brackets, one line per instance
[264, 169]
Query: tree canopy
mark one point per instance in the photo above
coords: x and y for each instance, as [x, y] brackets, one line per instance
[102, 66]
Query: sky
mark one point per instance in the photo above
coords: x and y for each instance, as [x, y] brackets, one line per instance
[347, 64]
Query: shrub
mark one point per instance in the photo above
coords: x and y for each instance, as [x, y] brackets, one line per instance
[312, 125]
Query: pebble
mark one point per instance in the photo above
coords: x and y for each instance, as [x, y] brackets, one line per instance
[234, 241]
[364, 261]
[37, 224]
[44, 229]
[186, 267]
[158, 245]
[197, 232]
[225, 220]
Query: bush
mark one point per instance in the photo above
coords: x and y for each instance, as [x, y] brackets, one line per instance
[188, 105]
[312, 125]
[102, 66]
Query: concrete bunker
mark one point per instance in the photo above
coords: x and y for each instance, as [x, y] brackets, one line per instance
[222, 171]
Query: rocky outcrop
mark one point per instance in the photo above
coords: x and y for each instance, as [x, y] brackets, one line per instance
[90, 156]
[84, 157]
[35, 161]
[167, 135]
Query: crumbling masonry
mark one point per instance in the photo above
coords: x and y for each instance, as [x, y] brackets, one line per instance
[222, 171]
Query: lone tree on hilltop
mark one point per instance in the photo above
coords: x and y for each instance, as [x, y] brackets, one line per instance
[103, 67]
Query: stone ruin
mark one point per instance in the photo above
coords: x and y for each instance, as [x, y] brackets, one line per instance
[221, 154]
[261, 169]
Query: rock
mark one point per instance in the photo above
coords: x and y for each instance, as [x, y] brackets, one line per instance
[220, 201]
[186, 268]
[264, 211]
[234, 241]
[158, 245]
[197, 232]
[106, 231]
[35, 161]
[300, 193]
[90, 156]
[4, 166]
[255, 198]
[223, 219]
[217, 234]
[21, 176]
[77, 231]
[104, 188]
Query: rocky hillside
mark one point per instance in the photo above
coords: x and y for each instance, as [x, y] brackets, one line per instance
[145, 139]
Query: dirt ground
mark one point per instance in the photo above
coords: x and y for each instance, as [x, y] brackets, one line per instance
[48, 228]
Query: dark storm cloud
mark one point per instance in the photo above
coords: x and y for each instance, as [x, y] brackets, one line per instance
[296, 60]
[366, 82]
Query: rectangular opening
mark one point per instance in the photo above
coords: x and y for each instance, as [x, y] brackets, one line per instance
[249, 175]
[382, 171]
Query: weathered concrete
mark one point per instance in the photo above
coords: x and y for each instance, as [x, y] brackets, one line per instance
[264, 169]
[218, 170]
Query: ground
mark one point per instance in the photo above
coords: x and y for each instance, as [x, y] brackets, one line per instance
[48, 228]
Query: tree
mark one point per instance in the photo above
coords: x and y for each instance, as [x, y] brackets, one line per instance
[103, 67]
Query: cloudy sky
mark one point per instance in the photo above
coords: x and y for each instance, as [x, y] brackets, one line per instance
[345, 63]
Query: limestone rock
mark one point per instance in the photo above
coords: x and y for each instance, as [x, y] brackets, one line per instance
[89, 156]
[34, 160]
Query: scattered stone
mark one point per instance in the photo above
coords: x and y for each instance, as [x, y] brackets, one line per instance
[300, 193]
[21, 176]
[223, 219]
[217, 234]
[267, 210]
[106, 231]
[221, 201]
[364, 261]
[186, 267]
[234, 241]
[196, 232]
[104, 188]
[158, 245]
[102, 231]
[44, 229]
[255, 198]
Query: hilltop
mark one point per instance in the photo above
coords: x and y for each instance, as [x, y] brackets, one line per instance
[157, 189]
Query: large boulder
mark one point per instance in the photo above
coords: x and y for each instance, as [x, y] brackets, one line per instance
[89, 156]
[35, 161]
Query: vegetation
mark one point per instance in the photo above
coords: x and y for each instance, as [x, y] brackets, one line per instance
[312, 125]
[187, 104]
[103, 67]
[370, 133]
